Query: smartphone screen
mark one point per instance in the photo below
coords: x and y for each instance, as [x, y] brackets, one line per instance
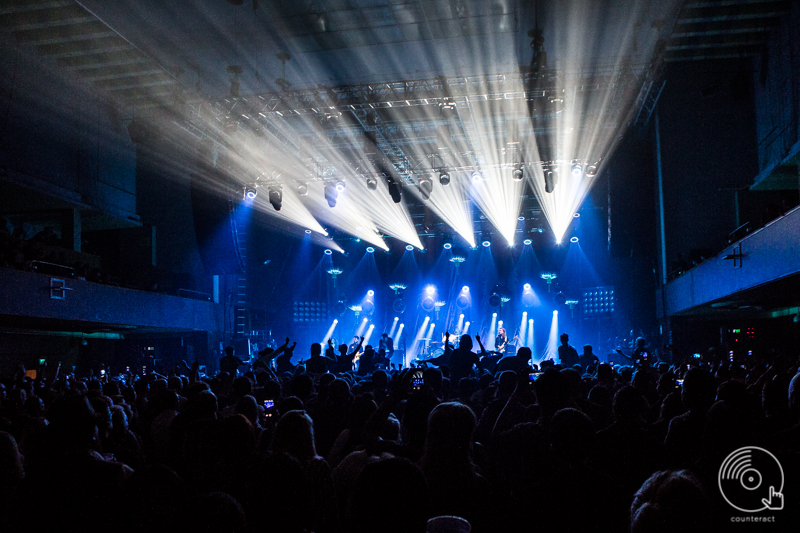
[417, 381]
[269, 404]
[533, 375]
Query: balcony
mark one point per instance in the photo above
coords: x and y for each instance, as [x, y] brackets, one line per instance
[757, 275]
[31, 297]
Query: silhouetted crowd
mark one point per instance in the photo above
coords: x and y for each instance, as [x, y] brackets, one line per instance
[587, 448]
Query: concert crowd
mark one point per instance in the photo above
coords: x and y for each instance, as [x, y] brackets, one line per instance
[345, 442]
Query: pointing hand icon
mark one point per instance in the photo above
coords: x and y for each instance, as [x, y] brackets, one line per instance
[775, 501]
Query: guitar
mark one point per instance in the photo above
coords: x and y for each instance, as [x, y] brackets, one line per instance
[502, 346]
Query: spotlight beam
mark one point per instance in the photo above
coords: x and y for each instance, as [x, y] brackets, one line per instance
[551, 350]
[329, 333]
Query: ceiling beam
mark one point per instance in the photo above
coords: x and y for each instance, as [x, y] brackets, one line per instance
[724, 27]
[104, 59]
[64, 34]
[135, 82]
[732, 10]
[21, 6]
[47, 18]
[84, 47]
[120, 71]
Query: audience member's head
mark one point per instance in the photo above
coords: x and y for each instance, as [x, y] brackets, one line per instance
[571, 435]
[450, 429]
[669, 502]
[551, 391]
[294, 435]
[628, 404]
[698, 390]
[465, 342]
[390, 480]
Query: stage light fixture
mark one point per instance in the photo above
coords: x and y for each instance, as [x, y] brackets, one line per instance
[576, 215]
[370, 249]
[340, 185]
[577, 170]
[486, 243]
[494, 300]
[447, 108]
[425, 188]
[476, 177]
[527, 242]
[370, 292]
[464, 289]
[550, 180]
[302, 189]
[444, 177]
[250, 192]
[527, 286]
[308, 232]
[395, 190]
[328, 252]
[372, 183]
[331, 194]
[518, 173]
[573, 239]
[591, 171]
[430, 289]
[447, 246]
[409, 247]
[276, 197]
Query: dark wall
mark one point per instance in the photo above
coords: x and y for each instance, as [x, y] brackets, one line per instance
[163, 189]
[55, 128]
[777, 91]
[631, 179]
[709, 150]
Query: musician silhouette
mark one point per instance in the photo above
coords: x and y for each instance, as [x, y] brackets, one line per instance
[567, 355]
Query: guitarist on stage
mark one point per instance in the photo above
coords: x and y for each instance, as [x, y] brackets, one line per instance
[501, 341]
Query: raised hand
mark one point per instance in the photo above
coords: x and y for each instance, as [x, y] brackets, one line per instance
[400, 386]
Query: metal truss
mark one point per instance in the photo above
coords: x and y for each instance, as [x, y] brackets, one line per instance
[367, 118]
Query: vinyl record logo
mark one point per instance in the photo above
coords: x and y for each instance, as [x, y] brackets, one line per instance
[751, 480]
